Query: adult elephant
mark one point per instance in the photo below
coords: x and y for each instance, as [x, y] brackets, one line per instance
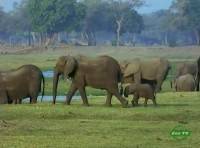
[21, 83]
[153, 72]
[102, 73]
[184, 68]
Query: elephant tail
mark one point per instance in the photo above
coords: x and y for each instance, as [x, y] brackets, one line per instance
[43, 86]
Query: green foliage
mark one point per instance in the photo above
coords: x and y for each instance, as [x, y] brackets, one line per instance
[53, 16]
[102, 15]
[2, 17]
[20, 18]
[97, 16]
[134, 22]
[187, 13]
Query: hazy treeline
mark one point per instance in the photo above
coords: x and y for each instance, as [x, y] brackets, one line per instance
[91, 22]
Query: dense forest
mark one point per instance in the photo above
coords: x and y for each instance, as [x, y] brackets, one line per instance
[93, 22]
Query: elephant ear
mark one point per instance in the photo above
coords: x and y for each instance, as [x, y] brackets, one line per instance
[123, 65]
[70, 65]
[132, 68]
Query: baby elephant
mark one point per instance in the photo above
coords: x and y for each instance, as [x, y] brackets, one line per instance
[140, 90]
[185, 83]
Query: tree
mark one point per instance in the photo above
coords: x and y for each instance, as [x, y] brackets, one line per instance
[187, 14]
[97, 19]
[134, 24]
[2, 24]
[167, 25]
[122, 11]
[52, 16]
[20, 20]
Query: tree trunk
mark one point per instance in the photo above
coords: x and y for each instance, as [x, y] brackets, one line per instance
[34, 38]
[91, 38]
[166, 39]
[41, 39]
[197, 34]
[134, 39]
[94, 39]
[118, 31]
[29, 38]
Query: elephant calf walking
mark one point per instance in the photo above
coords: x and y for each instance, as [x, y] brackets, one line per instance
[21, 83]
[140, 90]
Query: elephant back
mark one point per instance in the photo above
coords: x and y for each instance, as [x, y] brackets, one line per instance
[149, 69]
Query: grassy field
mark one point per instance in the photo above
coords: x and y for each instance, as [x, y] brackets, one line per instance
[46, 59]
[76, 126]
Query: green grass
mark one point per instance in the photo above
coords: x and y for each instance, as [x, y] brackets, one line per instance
[46, 125]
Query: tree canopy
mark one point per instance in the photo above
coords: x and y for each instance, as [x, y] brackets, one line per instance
[55, 15]
[187, 15]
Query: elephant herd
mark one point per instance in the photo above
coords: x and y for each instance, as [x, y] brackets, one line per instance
[137, 77]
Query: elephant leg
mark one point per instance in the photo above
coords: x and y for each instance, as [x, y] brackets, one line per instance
[3, 98]
[14, 101]
[154, 101]
[159, 84]
[145, 102]
[19, 101]
[197, 81]
[133, 102]
[135, 99]
[70, 94]
[108, 99]
[33, 99]
[83, 96]
[123, 101]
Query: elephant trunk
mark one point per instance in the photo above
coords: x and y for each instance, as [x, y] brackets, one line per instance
[55, 85]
